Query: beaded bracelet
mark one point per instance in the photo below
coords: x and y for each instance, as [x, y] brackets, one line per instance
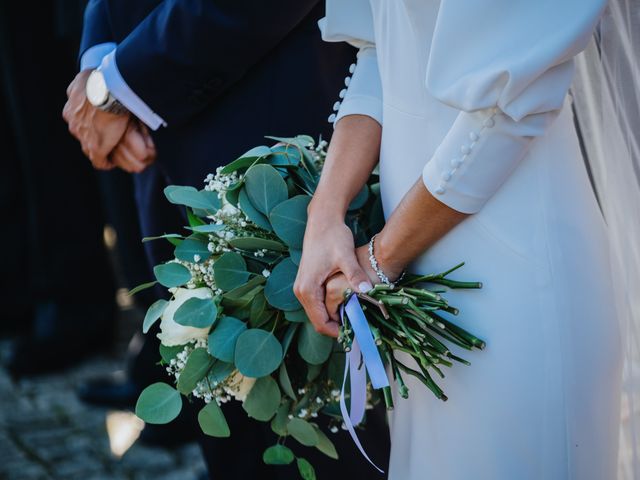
[376, 268]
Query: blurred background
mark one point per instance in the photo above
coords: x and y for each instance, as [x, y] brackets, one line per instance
[71, 251]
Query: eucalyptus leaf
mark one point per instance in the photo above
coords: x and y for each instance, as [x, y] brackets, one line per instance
[265, 187]
[296, 316]
[159, 403]
[194, 220]
[207, 228]
[306, 470]
[252, 212]
[325, 445]
[247, 159]
[196, 312]
[313, 347]
[223, 338]
[313, 371]
[263, 399]
[303, 432]
[169, 353]
[239, 292]
[154, 312]
[189, 197]
[278, 455]
[285, 382]
[142, 287]
[288, 337]
[258, 353]
[212, 421]
[191, 249]
[296, 255]
[172, 274]
[289, 220]
[230, 271]
[255, 243]
[285, 156]
[158, 237]
[279, 287]
[198, 365]
[279, 422]
[220, 371]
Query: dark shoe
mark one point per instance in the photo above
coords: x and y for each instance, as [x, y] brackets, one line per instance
[113, 391]
[61, 336]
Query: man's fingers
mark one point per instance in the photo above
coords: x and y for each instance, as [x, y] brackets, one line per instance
[124, 158]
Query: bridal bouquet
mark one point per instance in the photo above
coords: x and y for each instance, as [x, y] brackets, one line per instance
[233, 328]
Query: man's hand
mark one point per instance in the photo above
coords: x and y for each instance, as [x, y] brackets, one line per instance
[136, 151]
[100, 132]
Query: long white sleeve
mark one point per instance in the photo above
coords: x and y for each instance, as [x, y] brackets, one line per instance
[350, 21]
[508, 75]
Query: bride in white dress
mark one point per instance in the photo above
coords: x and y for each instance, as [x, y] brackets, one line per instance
[465, 104]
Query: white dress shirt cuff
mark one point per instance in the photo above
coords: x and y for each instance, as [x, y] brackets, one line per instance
[120, 90]
[93, 56]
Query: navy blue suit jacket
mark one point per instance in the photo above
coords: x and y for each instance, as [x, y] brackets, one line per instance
[223, 73]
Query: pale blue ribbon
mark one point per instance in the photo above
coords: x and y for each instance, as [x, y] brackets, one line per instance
[364, 353]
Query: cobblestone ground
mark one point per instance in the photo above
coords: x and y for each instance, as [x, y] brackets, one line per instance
[47, 433]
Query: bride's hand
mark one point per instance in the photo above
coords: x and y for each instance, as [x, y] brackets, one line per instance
[337, 285]
[328, 249]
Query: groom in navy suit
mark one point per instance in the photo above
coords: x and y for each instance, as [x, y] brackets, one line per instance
[172, 89]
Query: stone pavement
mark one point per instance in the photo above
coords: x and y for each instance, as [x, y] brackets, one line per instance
[46, 433]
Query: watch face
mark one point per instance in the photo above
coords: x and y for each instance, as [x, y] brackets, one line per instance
[97, 91]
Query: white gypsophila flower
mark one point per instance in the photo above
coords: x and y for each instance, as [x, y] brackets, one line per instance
[239, 386]
[172, 333]
[266, 273]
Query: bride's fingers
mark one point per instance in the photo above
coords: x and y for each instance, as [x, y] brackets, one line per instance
[334, 295]
[311, 297]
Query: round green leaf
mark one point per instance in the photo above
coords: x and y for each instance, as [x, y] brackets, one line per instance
[296, 255]
[285, 156]
[289, 219]
[196, 312]
[313, 347]
[278, 455]
[154, 312]
[159, 403]
[223, 338]
[212, 421]
[172, 274]
[296, 316]
[279, 287]
[279, 422]
[263, 399]
[198, 365]
[258, 353]
[303, 432]
[265, 187]
[220, 371]
[306, 469]
[230, 271]
[191, 249]
[169, 353]
[251, 212]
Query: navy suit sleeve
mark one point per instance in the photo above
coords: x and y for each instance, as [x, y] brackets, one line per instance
[97, 27]
[185, 53]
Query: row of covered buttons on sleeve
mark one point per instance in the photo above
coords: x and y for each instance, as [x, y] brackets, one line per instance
[465, 151]
[343, 92]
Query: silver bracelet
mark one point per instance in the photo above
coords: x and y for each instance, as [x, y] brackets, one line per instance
[376, 268]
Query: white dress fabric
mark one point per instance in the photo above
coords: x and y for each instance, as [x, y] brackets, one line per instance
[472, 96]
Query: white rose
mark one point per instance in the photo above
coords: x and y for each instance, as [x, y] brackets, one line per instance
[239, 386]
[172, 333]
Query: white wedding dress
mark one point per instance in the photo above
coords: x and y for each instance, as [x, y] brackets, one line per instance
[472, 96]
